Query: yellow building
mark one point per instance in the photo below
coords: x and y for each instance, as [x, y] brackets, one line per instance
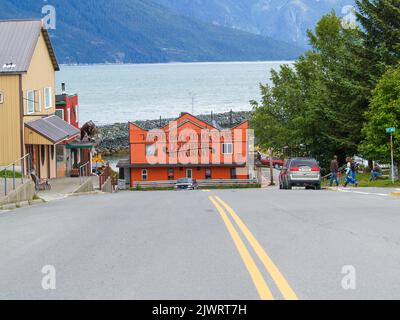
[27, 97]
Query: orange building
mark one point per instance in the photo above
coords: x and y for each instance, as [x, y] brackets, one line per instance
[186, 148]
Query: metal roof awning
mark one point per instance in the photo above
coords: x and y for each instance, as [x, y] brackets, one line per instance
[53, 129]
[80, 145]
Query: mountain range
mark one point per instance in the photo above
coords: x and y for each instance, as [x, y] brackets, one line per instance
[148, 31]
[285, 20]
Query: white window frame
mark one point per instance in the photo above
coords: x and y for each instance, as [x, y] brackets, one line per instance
[228, 146]
[191, 173]
[145, 173]
[69, 115]
[30, 102]
[151, 147]
[77, 113]
[49, 91]
[1, 97]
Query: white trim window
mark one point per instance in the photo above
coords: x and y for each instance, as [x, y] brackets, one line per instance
[1, 97]
[30, 101]
[151, 150]
[76, 113]
[68, 115]
[145, 175]
[227, 148]
[48, 100]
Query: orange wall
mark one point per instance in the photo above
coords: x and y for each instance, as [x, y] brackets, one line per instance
[161, 174]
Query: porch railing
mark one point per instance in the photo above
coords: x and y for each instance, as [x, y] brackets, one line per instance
[10, 173]
[104, 176]
[85, 172]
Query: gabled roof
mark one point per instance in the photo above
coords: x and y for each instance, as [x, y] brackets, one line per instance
[191, 117]
[18, 40]
[53, 128]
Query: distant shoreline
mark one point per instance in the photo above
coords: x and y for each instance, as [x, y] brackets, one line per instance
[173, 63]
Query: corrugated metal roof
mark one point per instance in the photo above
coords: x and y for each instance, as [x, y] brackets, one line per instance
[53, 128]
[61, 124]
[18, 40]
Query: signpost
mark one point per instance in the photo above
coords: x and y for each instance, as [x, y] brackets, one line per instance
[391, 131]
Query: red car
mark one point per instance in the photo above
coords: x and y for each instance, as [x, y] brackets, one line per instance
[276, 162]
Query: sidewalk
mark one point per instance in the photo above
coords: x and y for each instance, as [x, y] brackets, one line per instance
[385, 192]
[64, 187]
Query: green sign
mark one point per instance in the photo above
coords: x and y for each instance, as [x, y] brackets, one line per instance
[391, 130]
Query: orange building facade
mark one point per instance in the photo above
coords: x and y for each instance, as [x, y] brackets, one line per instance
[188, 148]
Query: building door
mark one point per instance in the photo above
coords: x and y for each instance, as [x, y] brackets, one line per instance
[233, 174]
[189, 173]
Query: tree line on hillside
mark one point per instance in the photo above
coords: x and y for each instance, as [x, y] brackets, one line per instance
[340, 96]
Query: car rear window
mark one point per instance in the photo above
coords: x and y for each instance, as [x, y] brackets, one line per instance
[183, 181]
[304, 163]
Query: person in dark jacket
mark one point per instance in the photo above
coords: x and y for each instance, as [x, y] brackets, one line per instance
[334, 171]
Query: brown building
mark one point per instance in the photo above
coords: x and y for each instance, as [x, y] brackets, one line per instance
[27, 97]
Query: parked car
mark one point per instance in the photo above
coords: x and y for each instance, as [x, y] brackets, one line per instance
[300, 172]
[186, 184]
[277, 163]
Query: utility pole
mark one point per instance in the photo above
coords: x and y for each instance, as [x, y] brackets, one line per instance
[392, 131]
[271, 168]
[392, 156]
[193, 96]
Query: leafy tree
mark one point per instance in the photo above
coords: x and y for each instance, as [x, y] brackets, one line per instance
[320, 101]
[384, 112]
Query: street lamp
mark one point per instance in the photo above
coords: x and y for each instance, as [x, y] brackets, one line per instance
[193, 96]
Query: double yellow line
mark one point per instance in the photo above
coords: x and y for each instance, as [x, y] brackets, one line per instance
[255, 273]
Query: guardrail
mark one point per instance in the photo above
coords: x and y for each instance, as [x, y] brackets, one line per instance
[202, 183]
[85, 171]
[25, 174]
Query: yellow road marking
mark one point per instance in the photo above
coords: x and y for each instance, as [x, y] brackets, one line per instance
[258, 280]
[271, 267]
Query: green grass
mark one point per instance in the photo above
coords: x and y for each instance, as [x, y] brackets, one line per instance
[363, 180]
[9, 174]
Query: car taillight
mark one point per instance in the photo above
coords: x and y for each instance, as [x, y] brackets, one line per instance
[316, 169]
[294, 169]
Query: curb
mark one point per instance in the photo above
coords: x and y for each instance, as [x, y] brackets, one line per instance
[85, 193]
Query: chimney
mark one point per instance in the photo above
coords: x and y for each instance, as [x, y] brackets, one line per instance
[63, 88]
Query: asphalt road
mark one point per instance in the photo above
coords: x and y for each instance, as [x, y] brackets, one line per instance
[224, 244]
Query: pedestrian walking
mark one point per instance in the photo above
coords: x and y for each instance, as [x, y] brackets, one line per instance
[351, 172]
[334, 172]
